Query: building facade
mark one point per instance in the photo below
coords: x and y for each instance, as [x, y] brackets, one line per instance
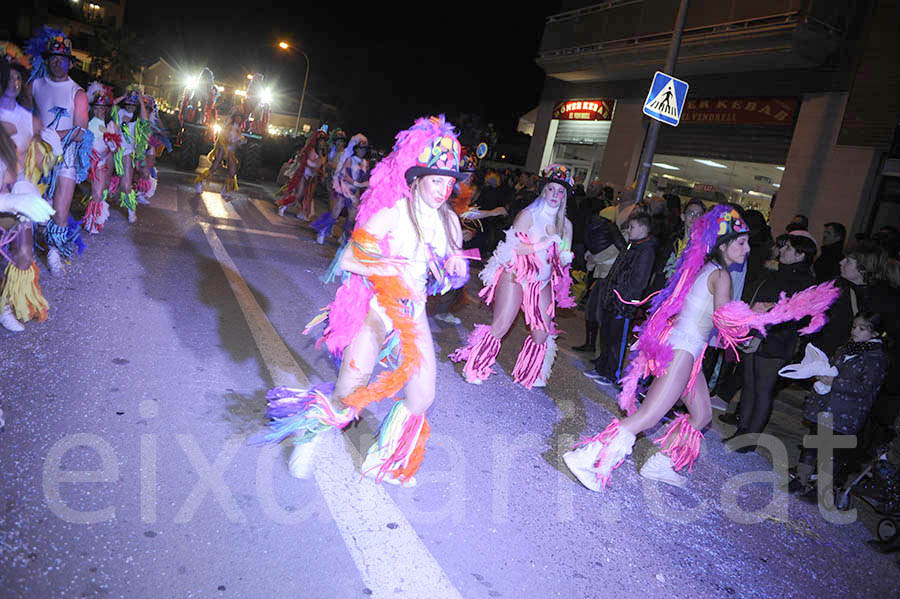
[786, 112]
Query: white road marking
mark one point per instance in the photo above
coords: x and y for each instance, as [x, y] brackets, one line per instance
[257, 232]
[392, 561]
[269, 211]
[217, 207]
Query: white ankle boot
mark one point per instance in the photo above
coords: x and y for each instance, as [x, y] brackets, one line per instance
[132, 216]
[373, 462]
[9, 322]
[54, 263]
[303, 458]
[659, 467]
[593, 463]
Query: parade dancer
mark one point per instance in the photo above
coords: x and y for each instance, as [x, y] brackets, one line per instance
[62, 106]
[107, 140]
[528, 270]
[671, 346]
[351, 176]
[132, 123]
[225, 153]
[406, 243]
[157, 143]
[21, 298]
[302, 186]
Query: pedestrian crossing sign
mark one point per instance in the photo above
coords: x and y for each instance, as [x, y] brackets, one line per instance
[666, 99]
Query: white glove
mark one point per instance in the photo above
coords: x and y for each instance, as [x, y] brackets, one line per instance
[26, 201]
[52, 138]
[566, 257]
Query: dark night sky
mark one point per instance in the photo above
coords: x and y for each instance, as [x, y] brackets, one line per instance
[383, 65]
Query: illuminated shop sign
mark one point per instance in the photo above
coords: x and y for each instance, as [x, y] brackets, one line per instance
[583, 110]
[741, 111]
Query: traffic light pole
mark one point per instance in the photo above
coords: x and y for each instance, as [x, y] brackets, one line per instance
[653, 131]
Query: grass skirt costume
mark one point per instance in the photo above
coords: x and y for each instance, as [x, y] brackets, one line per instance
[530, 271]
[20, 289]
[592, 460]
[305, 413]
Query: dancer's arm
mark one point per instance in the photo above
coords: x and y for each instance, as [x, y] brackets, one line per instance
[379, 226]
[719, 284]
[522, 224]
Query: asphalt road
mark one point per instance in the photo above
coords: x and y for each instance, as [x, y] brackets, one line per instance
[125, 471]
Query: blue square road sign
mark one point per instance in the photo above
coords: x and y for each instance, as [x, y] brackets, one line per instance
[665, 99]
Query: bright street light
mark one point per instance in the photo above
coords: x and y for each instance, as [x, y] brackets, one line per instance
[286, 46]
[250, 76]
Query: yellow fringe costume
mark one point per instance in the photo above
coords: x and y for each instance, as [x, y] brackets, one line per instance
[22, 291]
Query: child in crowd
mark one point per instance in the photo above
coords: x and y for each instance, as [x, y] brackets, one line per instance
[862, 364]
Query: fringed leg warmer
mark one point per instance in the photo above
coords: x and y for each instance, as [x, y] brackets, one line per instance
[681, 443]
[96, 215]
[480, 353]
[534, 362]
[22, 291]
[303, 413]
[128, 200]
[397, 454]
[593, 460]
[230, 184]
[63, 239]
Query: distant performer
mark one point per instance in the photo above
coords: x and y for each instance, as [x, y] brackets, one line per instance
[310, 168]
[407, 243]
[528, 271]
[351, 177]
[225, 152]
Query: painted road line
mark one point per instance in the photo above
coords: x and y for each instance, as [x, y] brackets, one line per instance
[270, 212]
[217, 207]
[392, 561]
[257, 231]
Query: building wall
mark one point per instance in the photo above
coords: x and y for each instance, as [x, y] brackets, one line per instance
[623, 147]
[822, 180]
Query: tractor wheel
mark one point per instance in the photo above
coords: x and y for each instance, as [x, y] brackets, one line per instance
[250, 167]
[189, 154]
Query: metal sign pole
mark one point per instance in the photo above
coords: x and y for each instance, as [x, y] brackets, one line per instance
[653, 131]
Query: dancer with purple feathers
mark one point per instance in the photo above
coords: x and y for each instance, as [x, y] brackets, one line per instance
[671, 346]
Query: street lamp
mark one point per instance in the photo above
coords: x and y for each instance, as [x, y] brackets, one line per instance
[286, 46]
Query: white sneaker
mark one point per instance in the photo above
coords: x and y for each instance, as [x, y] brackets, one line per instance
[281, 210]
[198, 188]
[474, 381]
[303, 458]
[448, 318]
[301, 217]
[582, 461]
[9, 322]
[320, 238]
[538, 382]
[659, 467]
[54, 263]
[132, 216]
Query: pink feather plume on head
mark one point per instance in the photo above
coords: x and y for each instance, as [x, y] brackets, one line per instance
[388, 181]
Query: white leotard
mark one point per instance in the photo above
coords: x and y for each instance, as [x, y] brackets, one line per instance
[694, 323]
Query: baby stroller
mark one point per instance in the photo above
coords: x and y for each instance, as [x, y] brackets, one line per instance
[878, 486]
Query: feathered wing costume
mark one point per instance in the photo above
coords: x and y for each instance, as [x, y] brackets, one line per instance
[429, 146]
[593, 459]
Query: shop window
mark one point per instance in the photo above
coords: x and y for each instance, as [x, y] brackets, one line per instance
[752, 185]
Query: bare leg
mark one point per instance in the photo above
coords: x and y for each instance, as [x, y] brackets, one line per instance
[507, 301]
[62, 200]
[23, 247]
[544, 301]
[664, 393]
[420, 388]
[360, 358]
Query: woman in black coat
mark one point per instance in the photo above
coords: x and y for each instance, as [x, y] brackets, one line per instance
[761, 368]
